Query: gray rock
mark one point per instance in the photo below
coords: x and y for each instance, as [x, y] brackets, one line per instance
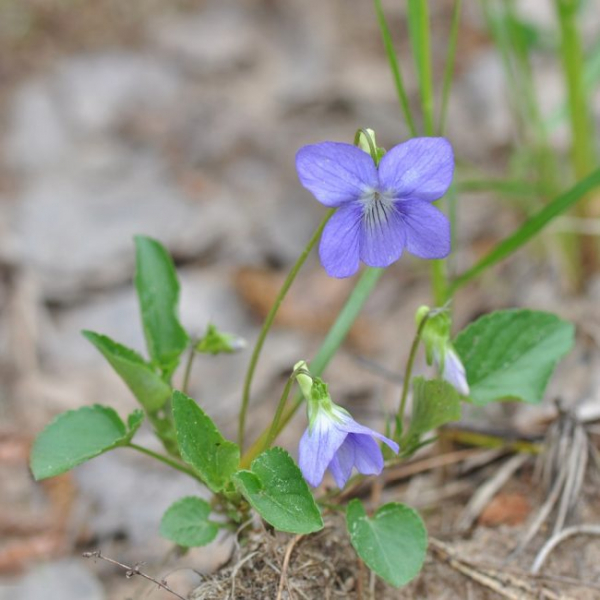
[126, 493]
[218, 39]
[74, 227]
[66, 579]
[84, 97]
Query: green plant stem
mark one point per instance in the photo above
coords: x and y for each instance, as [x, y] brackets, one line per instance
[408, 373]
[449, 68]
[335, 337]
[188, 368]
[274, 429]
[395, 68]
[439, 282]
[166, 460]
[582, 153]
[418, 18]
[269, 321]
[529, 229]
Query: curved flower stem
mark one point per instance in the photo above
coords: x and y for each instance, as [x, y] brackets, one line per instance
[333, 340]
[269, 321]
[407, 376]
[188, 368]
[274, 429]
[166, 460]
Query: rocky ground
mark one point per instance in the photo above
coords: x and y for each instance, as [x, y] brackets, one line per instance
[181, 122]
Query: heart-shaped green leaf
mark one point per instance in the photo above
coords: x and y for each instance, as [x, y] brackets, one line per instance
[186, 523]
[78, 435]
[511, 354]
[276, 488]
[201, 444]
[393, 542]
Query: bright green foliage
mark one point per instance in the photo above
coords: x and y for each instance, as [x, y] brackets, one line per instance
[186, 523]
[146, 385]
[201, 444]
[435, 403]
[511, 354]
[392, 543]
[158, 293]
[276, 489]
[78, 435]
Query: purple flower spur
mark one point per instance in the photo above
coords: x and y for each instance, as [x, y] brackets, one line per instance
[335, 441]
[381, 209]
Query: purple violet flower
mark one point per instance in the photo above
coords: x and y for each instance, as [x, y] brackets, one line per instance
[335, 441]
[381, 209]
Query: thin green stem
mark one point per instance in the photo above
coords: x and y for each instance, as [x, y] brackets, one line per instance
[188, 368]
[166, 460]
[274, 430]
[334, 339]
[439, 282]
[581, 123]
[449, 68]
[369, 139]
[408, 373]
[395, 68]
[269, 321]
[418, 20]
[418, 12]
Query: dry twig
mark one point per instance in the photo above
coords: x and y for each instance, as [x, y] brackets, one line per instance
[556, 539]
[488, 490]
[286, 561]
[502, 582]
[131, 571]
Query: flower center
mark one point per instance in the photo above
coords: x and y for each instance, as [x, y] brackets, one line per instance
[377, 207]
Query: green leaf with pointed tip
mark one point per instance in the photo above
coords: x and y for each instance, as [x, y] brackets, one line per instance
[201, 444]
[277, 490]
[511, 354]
[393, 542]
[146, 385]
[435, 402]
[78, 435]
[158, 293]
[186, 523]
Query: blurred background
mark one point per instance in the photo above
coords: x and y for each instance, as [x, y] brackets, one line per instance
[180, 120]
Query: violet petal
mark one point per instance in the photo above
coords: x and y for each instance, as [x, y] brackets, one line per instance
[335, 173]
[427, 229]
[339, 246]
[318, 447]
[368, 458]
[420, 168]
[382, 235]
[343, 461]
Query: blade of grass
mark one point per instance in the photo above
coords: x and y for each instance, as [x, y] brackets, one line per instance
[501, 186]
[395, 67]
[449, 68]
[591, 78]
[529, 229]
